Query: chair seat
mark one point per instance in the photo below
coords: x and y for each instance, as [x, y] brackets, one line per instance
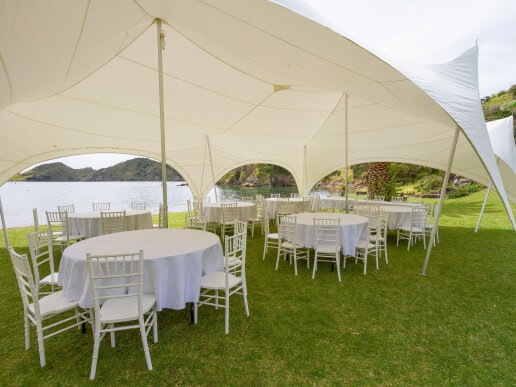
[290, 245]
[216, 280]
[327, 249]
[53, 303]
[414, 229]
[50, 279]
[228, 222]
[375, 239]
[125, 308]
[363, 244]
[71, 237]
[272, 236]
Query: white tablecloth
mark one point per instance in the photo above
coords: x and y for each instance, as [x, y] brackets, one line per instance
[174, 261]
[352, 229]
[272, 205]
[89, 224]
[213, 211]
[398, 215]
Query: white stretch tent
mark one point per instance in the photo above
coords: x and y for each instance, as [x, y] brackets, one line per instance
[501, 133]
[244, 82]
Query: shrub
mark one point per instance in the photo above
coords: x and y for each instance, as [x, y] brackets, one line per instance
[429, 183]
[463, 190]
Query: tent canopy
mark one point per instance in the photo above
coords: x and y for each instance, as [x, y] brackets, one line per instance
[261, 81]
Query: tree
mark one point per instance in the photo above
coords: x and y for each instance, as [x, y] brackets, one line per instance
[379, 181]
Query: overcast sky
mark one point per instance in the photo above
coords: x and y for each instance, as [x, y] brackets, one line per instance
[410, 31]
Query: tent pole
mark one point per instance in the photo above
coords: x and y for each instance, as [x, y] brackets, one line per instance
[483, 206]
[4, 226]
[161, 38]
[211, 164]
[305, 183]
[346, 178]
[441, 200]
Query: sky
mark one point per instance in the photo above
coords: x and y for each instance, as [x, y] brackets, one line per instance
[408, 31]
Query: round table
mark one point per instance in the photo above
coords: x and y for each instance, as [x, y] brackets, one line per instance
[398, 215]
[89, 224]
[212, 212]
[352, 229]
[272, 205]
[174, 262]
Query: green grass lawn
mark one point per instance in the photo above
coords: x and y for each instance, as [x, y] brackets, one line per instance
[392, 326]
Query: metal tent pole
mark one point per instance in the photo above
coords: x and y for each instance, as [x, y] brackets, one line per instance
[441, 200]
[346, 178]
[483, 206]
[161, 42]
[212, 172]
[4, 225]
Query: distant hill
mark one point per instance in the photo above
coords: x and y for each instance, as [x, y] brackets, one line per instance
[500, 105]
[139, 169]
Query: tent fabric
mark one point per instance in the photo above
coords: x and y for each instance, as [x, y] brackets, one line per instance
[263, 83]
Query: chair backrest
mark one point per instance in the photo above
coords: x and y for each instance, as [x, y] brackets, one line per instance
[105, 206]
[138, 205]
[327, 232]
[275, 195]
[161, 216]
[207, 199]
[25, 279]
[379, 198]
[59, 219]
[246, 199]
[116, 276]
[287, 228]
[112, 221]
[258, 197]
[41, 251]
[240, 227]
[384, 223]
[69, 208]
[266, 220]
[229, 212]
[235, 247]
[294, 194]
[194, 222]
[397, 199]
[36, 220]
[307, 205]
[418, 217]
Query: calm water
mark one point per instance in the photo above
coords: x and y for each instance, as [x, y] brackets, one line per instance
[19, 198]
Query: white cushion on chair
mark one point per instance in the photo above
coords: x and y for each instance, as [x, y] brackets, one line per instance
[272, 236]
[216, 280]
[125, 308]
[290, 245]
[407, 229]
[327, 249]
[363, 244]
[50, 279]
[71, 237]
[53, 303]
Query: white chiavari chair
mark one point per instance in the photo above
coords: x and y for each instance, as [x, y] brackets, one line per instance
[277, 196]
[379, 237]
[288, 244]
[194, 223]
[37, 311]
[246, 199]
[41, 253]
[229, 216]
[416, 228]
[271, 239]
[112, 221]
[379, 198]
[256, 216]
[142, 206]
[116, 283]
[231, 281]
[327, 243]
[104, 206]
[60, 219]
[363, 249]
[161, 218]
[397, 199]
[294, 195]
[69, 208]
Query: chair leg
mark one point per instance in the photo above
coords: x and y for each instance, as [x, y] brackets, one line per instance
[398, 238]
[96, 343]
[244, 293]
[155, 325]
[216, 299]
[226, 319]
[41, 345]
[337, 259]
[295, 261]
[195, 311]
[409, 241]
[315, 265]
[264, 248]
[308, 258]
[112, 335]
[27, 331]
[145, 345]
[385, 249]
[366, 253]
[278, 257]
